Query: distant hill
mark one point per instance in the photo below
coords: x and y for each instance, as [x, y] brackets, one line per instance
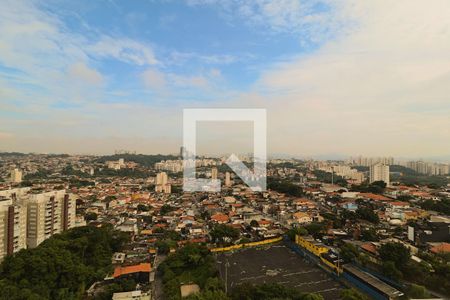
[142, 159]
[392, 168]
[7, 154]
[402, 169]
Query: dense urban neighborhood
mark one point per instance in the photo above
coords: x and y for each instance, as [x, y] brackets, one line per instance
[121, 227]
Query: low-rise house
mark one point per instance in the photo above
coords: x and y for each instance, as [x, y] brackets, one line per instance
[302, 218]
[220, 218]
[140, 272]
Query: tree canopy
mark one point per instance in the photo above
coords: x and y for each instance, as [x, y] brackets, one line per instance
[62, 267]
[223, 234]
[395, 252]
[247, 291]
[190, 264]
[284, 186]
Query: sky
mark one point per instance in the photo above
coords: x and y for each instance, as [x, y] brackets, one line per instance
[343, 77]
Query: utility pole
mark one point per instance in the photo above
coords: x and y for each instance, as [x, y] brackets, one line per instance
[226, 276]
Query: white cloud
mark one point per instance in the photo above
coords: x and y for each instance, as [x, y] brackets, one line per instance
[123, 49]
[164, 81]
[314, 19]
[37, 45]
[154, 79]
[177, 57]
[380, 89]
[197, 81]
[79, 71]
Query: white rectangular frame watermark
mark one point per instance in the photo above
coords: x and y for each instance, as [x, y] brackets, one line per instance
[256, 180]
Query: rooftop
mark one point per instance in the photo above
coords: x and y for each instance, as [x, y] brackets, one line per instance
[142, 267]
[375, 282]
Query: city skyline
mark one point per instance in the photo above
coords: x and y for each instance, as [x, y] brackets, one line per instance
[271, 156]
[224, 149]
[335, 78]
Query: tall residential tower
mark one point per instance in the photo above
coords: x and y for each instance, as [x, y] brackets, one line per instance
[379, 172]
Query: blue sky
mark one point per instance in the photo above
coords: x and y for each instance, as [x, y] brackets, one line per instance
[94, 76]
[192, 40]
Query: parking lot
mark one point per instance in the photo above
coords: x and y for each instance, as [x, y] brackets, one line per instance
[275, 263]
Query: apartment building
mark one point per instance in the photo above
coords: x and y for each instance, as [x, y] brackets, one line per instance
[13, 225]
[49, 213]
[379, 172]
[162, 183]
[28, 217]
[227, 179]
[16, 176]
[214, 173]
[170, 165]
[369, 161]
[348, 173]
[428, 168]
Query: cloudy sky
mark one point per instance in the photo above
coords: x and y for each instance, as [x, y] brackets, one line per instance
[336, 77]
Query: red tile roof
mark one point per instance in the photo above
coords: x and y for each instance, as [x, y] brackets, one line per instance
[375, 197]
[442, 248]
[369, 247]
[192, 241]
[399, 203]
[220, 218]
[142, 267]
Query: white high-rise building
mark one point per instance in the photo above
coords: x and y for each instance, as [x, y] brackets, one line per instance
[170, 165]
[368, 161]
[347, 172]
[27, 218]
[13, 226]
[227, 179]
[162, 183]
[16, 176]
[379, 172]
[214, 173]
[49, 213]
[121, 162]
[428, 167]
[161, 178]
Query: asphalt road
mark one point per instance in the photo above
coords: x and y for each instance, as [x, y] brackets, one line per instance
[157, 288]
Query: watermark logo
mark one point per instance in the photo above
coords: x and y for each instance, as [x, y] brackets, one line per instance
[255, 179]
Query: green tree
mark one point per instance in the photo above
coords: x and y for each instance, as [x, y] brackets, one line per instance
[312, 296]
[254, 223]
[284, 186]
[363, 259]
[291, 233]
[352, 294]
[315, 228]
[62, 266]
[369, 235]
[165, 209]
[192, 263]
[367, 213]
[222, 233]
[208, 295]
[396, 253]
[418, 292]
[349, 252]
[379, 183]
[92, 216]
[390, 270]
[268, 291]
